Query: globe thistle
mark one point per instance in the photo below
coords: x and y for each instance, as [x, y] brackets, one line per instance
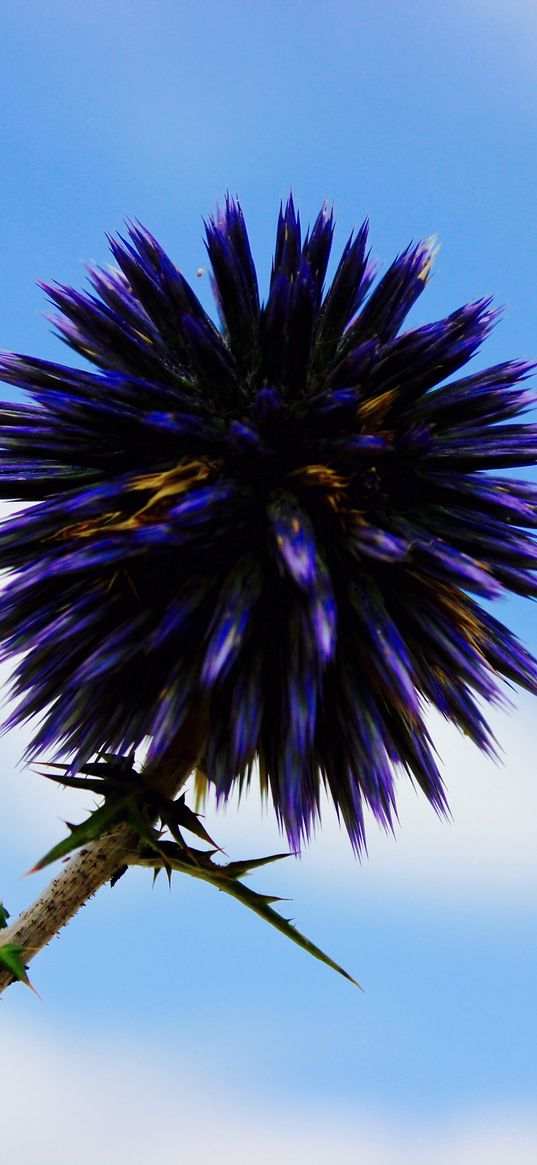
[285, 518]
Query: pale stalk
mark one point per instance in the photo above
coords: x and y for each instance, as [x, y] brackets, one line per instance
[95, 864]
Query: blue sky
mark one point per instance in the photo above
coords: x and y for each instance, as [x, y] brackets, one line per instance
[423, 117]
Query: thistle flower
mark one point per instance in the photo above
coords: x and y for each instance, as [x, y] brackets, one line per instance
[287, 517]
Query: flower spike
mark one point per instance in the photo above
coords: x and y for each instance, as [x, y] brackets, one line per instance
[289, 520]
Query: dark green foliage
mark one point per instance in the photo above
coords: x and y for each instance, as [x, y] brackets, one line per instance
[11, 958]
[128, 800]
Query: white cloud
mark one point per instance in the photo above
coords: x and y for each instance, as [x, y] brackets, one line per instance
[129, 1103]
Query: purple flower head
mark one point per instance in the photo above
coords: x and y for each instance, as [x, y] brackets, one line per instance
[287, 517]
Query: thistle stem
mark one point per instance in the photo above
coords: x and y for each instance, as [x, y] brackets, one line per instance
[94, 865]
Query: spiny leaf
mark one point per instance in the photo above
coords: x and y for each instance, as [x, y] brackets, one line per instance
[219, 876]
[108, 761]
[103, 784]
[4, 915]
[178, 813]
[98, 823]
[121, 870]
[142, 824]
[141, 806]
[139, 819]
[10, 959]
[236, 869]
[94, 786]
[260, 905]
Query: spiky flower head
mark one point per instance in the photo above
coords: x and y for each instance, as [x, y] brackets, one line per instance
[287, 516]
